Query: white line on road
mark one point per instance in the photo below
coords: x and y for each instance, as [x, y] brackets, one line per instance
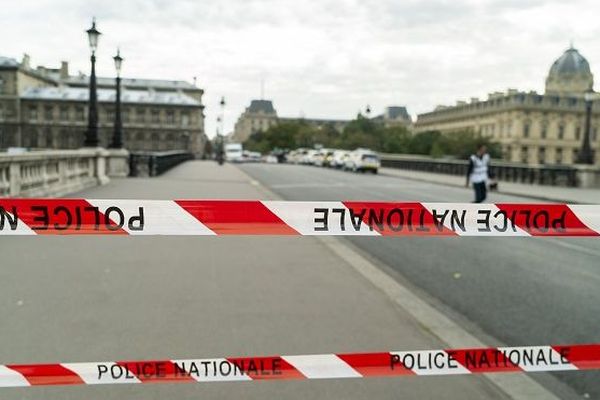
[516, 386]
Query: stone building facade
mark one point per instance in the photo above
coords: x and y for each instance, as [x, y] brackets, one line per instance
[47, 108]
[531, 128]
[261, 115]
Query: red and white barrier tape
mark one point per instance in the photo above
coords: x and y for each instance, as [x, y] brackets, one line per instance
[253, 217]
[318, 366]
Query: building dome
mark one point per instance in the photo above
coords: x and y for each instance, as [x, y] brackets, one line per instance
[570, 74]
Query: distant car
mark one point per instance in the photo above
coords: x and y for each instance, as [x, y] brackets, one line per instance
[328, 158]
[363, 160]
[320, 158]
[310, 157]
[338, 158]
[250, 156]
[271, 159]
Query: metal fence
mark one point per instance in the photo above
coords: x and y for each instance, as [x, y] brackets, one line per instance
[503, 171]
[143, 164]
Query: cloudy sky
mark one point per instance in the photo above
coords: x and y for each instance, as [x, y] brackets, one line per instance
[318, 58]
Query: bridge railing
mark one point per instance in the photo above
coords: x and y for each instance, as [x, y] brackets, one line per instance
[51, 172]
[144, 164]
[505, 171]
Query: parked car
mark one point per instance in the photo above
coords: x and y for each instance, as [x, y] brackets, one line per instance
[310, 157]
[362, 160]
[339, 158]
[321, 157]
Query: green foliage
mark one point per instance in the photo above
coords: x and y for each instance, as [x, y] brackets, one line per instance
[364, 132]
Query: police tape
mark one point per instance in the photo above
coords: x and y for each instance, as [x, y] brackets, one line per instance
[318, 366]
[253, 217]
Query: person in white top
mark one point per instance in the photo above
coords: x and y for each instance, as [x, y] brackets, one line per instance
[478, 173]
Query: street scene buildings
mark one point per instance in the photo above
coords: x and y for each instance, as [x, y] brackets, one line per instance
[47, 108]
[532, 128]
[260, 115]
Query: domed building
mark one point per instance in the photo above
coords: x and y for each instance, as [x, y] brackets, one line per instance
[569, 75]
[532, 128]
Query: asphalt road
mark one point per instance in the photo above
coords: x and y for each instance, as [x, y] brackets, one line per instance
[70, 299]
[520, 291]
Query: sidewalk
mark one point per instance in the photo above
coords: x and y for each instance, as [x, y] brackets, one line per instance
[547, 193]
[106, 298]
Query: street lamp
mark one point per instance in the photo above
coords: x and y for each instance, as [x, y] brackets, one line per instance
[117, 141]
[91, 135]
[586, 156]
[222, 116]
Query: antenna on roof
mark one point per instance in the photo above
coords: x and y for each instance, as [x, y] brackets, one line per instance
[571, 44]
[194, 78]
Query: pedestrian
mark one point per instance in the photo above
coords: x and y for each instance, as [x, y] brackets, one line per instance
[478, 173]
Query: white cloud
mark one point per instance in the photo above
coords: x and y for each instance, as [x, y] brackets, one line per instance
[322, 58]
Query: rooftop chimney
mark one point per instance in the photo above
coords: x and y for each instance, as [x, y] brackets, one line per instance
[25, 61]
[64, 69]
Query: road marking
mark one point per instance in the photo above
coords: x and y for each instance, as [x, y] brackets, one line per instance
[516, 386]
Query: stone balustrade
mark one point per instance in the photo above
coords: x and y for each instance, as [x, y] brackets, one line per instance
[59, 172]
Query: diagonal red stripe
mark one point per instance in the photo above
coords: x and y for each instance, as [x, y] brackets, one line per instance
[532, 218]
[584, 356]
[398, 219]
[156, 371]
[47, 374]
[273, 367]
[375, 364]
[245, 217]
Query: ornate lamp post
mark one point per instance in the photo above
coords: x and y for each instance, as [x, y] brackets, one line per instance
[586, 156]
[91, 135]
[222, 116]
[117, 141]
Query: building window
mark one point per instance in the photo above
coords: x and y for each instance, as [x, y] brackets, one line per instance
[64, 114]
[542, 155]
[185, 119]
[594, 134]
[544, 131]
[524, 155]
[155, 116]
[140, 115]
[79, 114]
[578, 133]
[2, 85]
[125, 116]
[110, 115]
[508, 153]
[559, 155]
[575, 155]
[526, 130]
[170, 117]
[64, 139]
[33, 113]
[561, 132]
[48, 113]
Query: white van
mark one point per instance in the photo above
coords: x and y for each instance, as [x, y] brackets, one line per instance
[362, 160]
[234, 152]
